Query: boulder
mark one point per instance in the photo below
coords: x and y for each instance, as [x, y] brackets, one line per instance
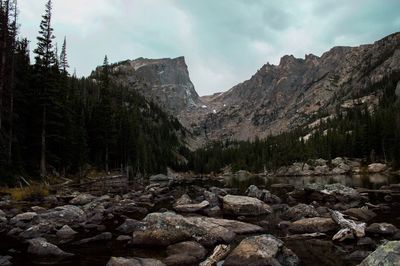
[264, 195]
[387, 254]
[313, 225]
[300, 211]
[129, 226]
[118, 261]
[194, 207]
[5, 260]
[332, 192]
[82, 199]
[185, 253]
[101, 237]
[23, 218]
[246, 206]
[38, 230]
[184, 200]
[66, 232]
[159, 178]
[362, 214]
[40, 247]
[67, 214]
[164, 229]
[377, 167]
[261, 250]
[382, 229]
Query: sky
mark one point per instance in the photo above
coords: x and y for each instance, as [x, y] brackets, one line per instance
[224, 41]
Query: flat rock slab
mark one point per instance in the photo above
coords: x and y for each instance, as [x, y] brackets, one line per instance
[382, 229]
[246, 206]
[118, 261]
[387, 254]
[193, 207]
[313, 225]
[164, 229]
[261, 250]
[40, 247]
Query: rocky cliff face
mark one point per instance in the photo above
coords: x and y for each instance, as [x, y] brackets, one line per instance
[164, 81]
[279, 98]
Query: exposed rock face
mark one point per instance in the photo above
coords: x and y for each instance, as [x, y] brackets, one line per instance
[40, 247]
[387, 254]
[280, 98]
[247, 206]
[117, 261]
[261, 250]
[163, 229]
[313, 225]
[164, 81]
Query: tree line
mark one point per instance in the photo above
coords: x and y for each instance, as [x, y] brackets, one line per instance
[373, 135]
[55, 124]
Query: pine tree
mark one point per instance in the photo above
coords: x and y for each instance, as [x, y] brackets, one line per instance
[45, 56]
[63, 58]
[45, 59]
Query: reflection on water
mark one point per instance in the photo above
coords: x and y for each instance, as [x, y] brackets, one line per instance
[373, 181]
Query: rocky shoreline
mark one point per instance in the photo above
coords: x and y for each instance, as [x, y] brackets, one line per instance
[183, 223]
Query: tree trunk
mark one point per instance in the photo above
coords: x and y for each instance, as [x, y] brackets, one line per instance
[3, 53]
[106, 159]
[43, 151]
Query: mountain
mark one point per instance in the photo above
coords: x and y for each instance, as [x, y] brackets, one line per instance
[278, 98]
[164, 81]
[298, 91]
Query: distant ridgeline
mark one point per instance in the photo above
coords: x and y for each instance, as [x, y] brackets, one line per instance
[359, 132]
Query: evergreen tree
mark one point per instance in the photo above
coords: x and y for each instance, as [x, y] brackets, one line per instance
[63, 58]
[45, 59]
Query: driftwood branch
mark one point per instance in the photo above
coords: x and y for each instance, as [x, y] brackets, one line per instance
[357, 229]
[219, 253]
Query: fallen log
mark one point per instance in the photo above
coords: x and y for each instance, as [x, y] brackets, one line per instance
[358, 229]
[219, 253]
[343, 234]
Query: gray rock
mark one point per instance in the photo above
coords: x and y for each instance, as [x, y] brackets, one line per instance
[23, 217]
[387, 254]
[313, 225]
[67, 214]
[129, 226]
[38, 230]
[382, 229]
[66, 232]
[363, 214]
[164, 229]
[82, 199]
[40, 247]
[183, 200]
[101, 237]
[118, 261]
[300, 211]
[261, 250]
[5, 260]
[124, 238]
[185, 253]
[247, 206]
[264, 195]
[194, 207]
[377, 168]
[159, 178]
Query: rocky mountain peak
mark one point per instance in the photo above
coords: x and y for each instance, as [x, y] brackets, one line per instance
[283, 97]
[165, 81]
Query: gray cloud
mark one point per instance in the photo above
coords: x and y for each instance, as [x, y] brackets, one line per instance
[224, 41]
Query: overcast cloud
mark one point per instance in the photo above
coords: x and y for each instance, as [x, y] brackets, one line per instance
[224, 41]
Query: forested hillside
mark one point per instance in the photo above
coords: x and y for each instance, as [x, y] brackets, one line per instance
[55, 124]
[373, 135]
